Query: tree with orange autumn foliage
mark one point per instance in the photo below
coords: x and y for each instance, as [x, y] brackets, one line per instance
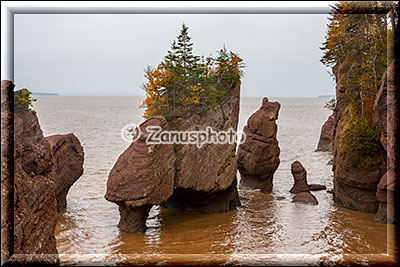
[360, 40]
[184, 83]
[156, 89]
[358, 35]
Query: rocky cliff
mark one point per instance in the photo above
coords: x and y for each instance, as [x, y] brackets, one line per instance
[68, 157]
[325, 139]
[7, 163]
[258, 156]
[34, 187]
[177, 175]
[385, 118]
[358, 163]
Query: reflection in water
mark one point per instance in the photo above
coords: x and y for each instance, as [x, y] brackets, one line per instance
[264, 230]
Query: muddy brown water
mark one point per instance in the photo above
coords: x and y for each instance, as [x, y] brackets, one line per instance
[265, 230]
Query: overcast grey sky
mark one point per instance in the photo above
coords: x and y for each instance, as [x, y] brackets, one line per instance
[75, 54]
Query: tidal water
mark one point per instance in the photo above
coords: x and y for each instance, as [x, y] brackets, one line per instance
[264, 231]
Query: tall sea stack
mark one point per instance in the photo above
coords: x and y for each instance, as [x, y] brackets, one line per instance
[258, 156]
[178, 175]
[68, 159]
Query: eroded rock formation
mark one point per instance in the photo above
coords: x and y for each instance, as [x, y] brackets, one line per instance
[355, 184]
[142, 176]
[258, 156]
[205, 178]
[300, 188]
[385, 118]
[7, 162]
[221, 201]
[34, 187]
[386, 196]
[300, 178]
[68, 158]
[178, 175]
[325, 139]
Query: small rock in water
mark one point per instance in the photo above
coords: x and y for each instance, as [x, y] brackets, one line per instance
[330, 162]
[305, 197]
[300, 178]
[280, 198]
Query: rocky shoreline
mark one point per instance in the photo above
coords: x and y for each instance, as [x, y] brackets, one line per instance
[186, 176]
[369, 188]
[39, 170]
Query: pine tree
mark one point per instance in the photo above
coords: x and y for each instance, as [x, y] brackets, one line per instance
[181, 61]
[358, 39]
[359, 36]
[183, 83]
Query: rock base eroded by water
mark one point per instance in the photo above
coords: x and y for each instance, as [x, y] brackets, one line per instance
[142, 176]
[355, 180]
[133, 219]
[68, 158]
[221, 201]
[178, 175]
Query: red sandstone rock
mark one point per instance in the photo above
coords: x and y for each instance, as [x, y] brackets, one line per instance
[68, 158]
[35, 214]
[385, 118]
[300, 178]
[178, 175]
[384, 115]
[7, 162]
[212, 167]
[305, 197]
[325, 139]
[386, 194]
[142, 176]
[354, 185]
[205, 178]
[258, 156]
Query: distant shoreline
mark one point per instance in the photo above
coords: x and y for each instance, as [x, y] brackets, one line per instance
[326, 96]
[38, 93]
